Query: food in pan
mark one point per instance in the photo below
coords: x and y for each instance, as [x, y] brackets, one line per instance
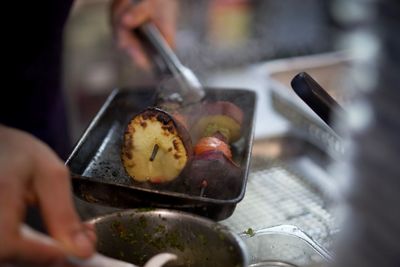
[211, 143]
[221, 117]
[212, 174]
[156, 147]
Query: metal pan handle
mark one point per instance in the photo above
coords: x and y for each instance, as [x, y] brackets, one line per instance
[315, 97]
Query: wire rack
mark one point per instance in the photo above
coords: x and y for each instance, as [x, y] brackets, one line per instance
[276, 195]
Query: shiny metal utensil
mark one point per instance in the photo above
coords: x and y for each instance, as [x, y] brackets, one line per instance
[185, 86]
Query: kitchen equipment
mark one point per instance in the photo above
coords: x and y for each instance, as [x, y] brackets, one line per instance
[285, 246]
[98, 174]
[180, 84]
[135, 235]
[289, 183]
[315, 97]
[330, 69]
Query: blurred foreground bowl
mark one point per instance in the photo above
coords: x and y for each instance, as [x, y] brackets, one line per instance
[137, 235]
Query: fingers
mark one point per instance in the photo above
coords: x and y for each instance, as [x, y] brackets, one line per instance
[37, 253]
[90, 232]
[162, 12]
[126, 17]
[137, 15]
[165, 18]
[14, 247]
[132, 46]
[30, 171]
[11, 213]
[52, 185]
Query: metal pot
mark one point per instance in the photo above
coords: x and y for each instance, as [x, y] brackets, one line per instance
[136, 235]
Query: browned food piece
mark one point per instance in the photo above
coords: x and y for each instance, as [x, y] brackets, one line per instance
[212, 174]
[156, 147]
[221, 117]
[211, 143]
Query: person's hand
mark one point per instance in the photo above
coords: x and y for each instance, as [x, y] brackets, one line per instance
[126, 16]
[30, 173]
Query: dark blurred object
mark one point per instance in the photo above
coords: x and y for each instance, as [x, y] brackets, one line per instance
[372, 229]
[315, 97]
[35, 101]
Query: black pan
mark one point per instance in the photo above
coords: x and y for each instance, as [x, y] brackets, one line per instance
[98, 174]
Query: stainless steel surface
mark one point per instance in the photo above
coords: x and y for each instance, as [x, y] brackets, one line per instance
[96, 158]
[288, 184]
[305, 121]
[284, 245]
[136, 235]
[330, 70]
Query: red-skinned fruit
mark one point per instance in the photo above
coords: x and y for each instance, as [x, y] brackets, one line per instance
[211, 174]
[211, 143]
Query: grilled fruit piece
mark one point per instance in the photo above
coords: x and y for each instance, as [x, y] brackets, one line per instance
[212, 174]
[211, 143]
[221, 117]
[156, 147]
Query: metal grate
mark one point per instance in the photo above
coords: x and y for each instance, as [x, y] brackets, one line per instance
[274, 196]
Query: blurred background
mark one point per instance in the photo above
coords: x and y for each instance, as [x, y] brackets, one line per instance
[213, 36]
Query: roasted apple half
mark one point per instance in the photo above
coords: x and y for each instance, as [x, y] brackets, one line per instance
[156, 147]
[221, 117]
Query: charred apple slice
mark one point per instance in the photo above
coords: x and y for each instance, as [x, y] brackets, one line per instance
[221, 117]
[156, 147]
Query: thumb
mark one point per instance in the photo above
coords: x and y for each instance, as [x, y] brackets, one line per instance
[52, 186]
